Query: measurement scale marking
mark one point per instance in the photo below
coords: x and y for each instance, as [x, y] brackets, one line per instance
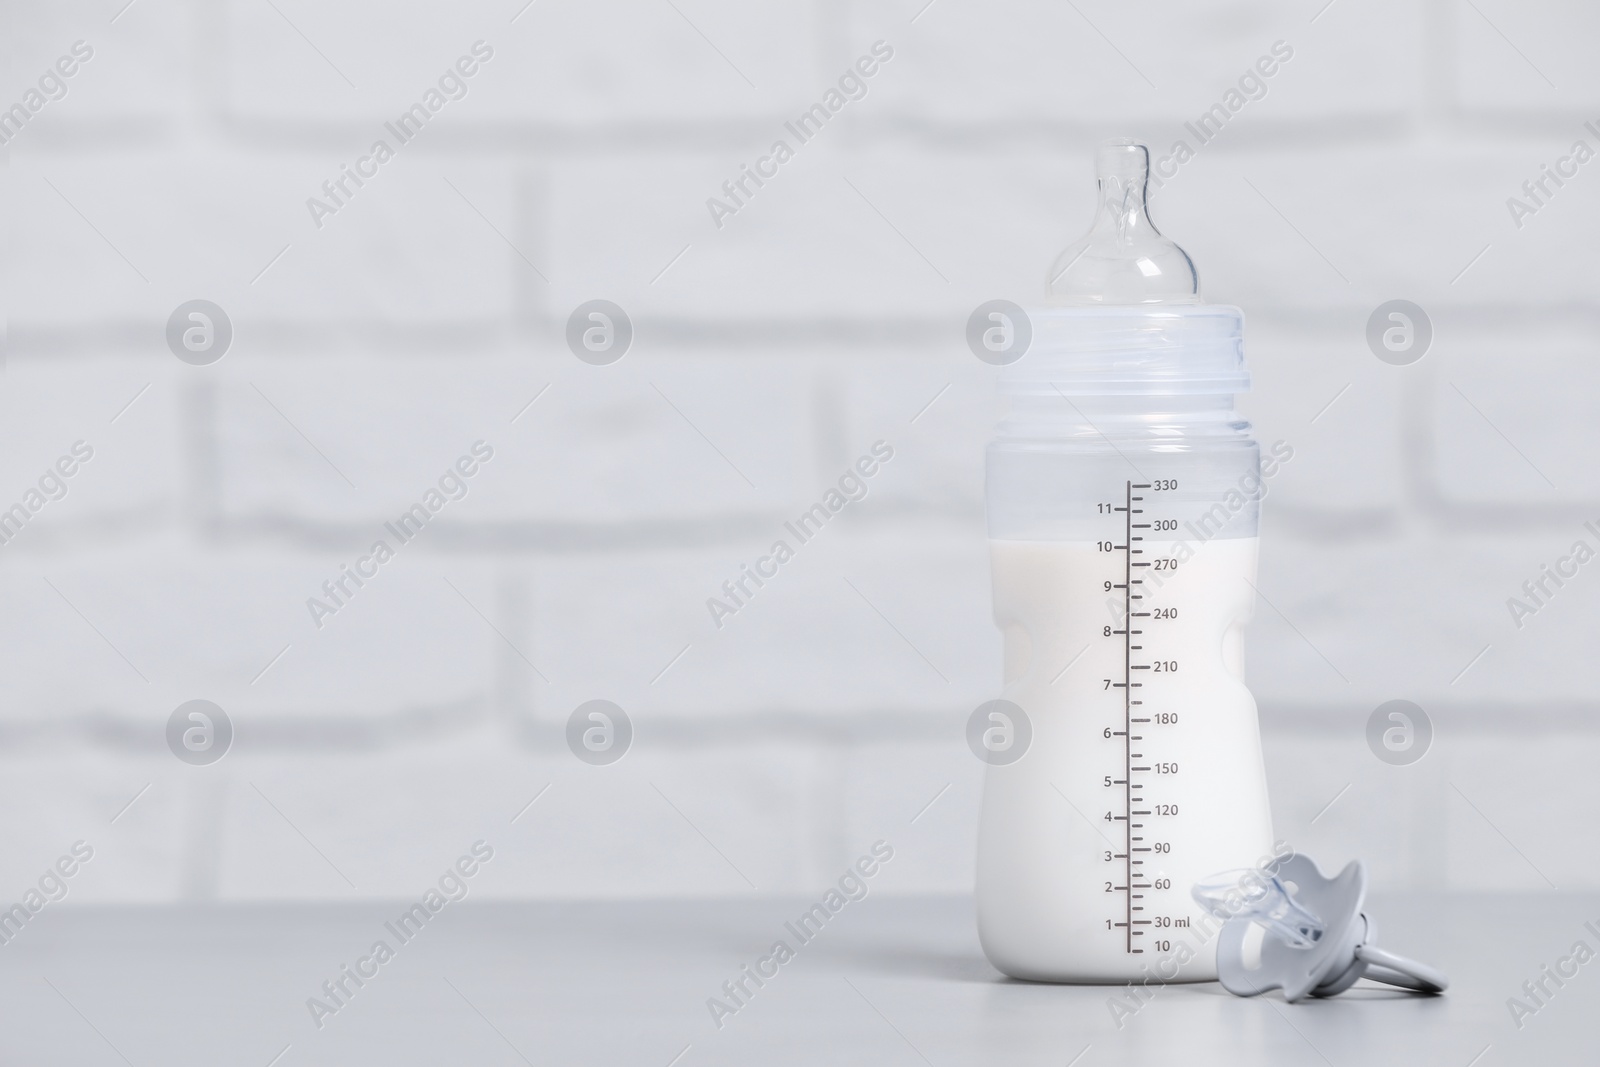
[1133, 863]
[1127, 707]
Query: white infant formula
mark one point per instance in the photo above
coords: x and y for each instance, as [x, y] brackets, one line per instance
[1144, 772]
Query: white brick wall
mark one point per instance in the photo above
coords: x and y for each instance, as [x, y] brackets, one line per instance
[768, 353]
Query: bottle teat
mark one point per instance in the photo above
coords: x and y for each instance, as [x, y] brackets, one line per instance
[1123, 259]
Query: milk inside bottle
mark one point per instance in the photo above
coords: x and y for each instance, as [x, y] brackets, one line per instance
[1123, 498]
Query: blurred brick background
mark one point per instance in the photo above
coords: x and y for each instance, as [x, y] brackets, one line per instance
[373, 351]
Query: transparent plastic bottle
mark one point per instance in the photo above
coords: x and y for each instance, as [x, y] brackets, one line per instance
[1123, 499]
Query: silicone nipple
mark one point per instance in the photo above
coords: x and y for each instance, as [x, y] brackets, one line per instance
[1263, 898]
[1123, 259]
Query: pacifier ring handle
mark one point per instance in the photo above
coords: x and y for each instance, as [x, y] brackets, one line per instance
[1398, 971]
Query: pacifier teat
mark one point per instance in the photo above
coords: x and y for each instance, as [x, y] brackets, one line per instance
[1262, 898]
[1316, 939]
[1123, 259]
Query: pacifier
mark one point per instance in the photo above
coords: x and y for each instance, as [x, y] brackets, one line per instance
[1315, 939]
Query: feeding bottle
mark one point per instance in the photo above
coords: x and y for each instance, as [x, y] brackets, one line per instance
[1123, 497]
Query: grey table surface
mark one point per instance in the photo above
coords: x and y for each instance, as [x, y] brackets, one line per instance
[889, 981]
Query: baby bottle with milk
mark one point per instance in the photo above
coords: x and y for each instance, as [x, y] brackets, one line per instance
[1123, 494]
